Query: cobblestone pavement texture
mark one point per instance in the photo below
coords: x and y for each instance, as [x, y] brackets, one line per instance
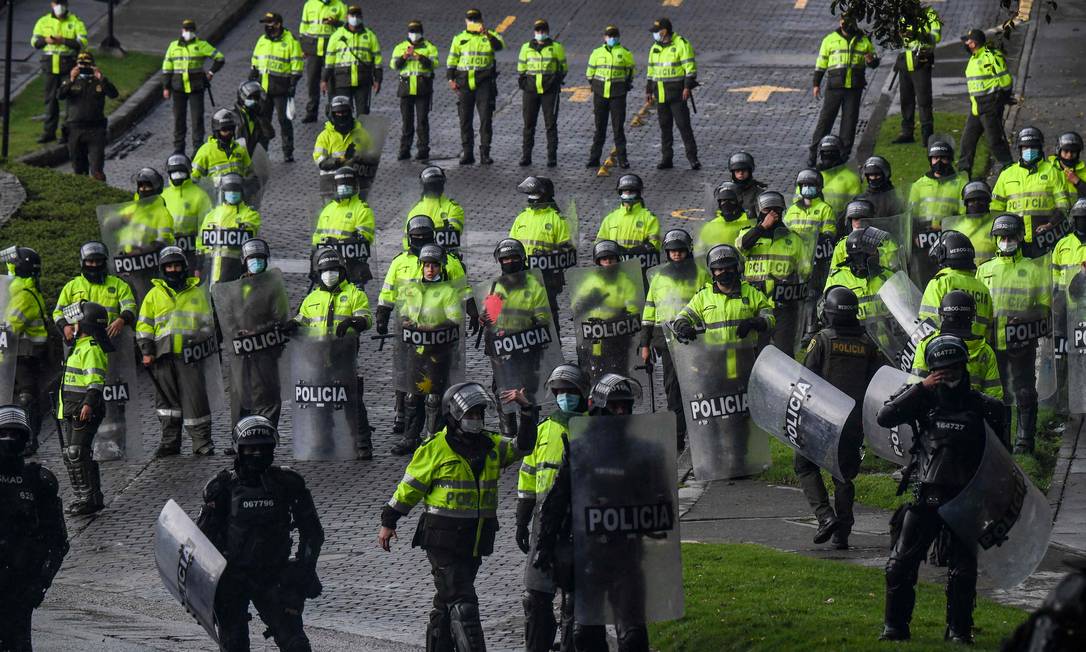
[367, 592]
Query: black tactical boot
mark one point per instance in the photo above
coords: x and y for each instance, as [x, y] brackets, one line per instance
[1027, 430]
[825, 530]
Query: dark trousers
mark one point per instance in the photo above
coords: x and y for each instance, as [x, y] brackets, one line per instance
[181, 399]
[845, 101]
[359, 96]
[675, 114]
[482, 100]
[87, 150]
[914, 92]
[281, 611]
[258, 391]
[314, 66]
[810, 478]
[533, 102]
[278, 104]
[30, 381]
[540, 625]
[990, 123]
[671, 389]
[602, 109]
[52, 104]
[187, 105]
[456, 605]
[919, 529]
[15, 626]
[363, 436]
[415, 110]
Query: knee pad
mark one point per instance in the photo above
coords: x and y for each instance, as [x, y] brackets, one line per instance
[467, 631]
[433, 401]
[633, 639]
[537, 600]
[76, 454]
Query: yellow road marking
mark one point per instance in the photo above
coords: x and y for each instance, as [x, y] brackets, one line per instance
[1024, 7]
[578, 93]
[672, 3]
[506, 23]
[636, 121]
[761, 93]
[686, 214]
[800, 4]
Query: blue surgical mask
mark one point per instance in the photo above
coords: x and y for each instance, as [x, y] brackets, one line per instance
[345, 191]
[808, 192]
[568, 402]
[256, 265]
[1031, 155]
[656, 36]
[542, 36]
[612, 41]
[232, 197]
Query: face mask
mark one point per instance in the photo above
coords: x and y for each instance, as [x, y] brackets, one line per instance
[433, 189]
[513, 267]
[473, 26]
[568, 402]
[271, 31]
[656, 36]
[354, 21]
[1007, 245]
[542, 36]
[343, 192]
[232, 197]
[725, 277]
[414, 37]
[942, 168]
[10, 447]
[827, 160]
[471, 426]
[330, 279]
[177, 178]
[877, 183]
[95, 274]
[256, 265]
[612, 41]
[59, 10]
[1031, 155]
[145, 193]
[250, 467]
[342, 122]
[176, 280]
[629, 197]
[976, 207]
[187, 35]
[1068, 160]
[808, 192]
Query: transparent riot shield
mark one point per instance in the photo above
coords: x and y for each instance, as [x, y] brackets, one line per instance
[724, 441]
[428, 336]
[891, 444]
[1076, 344]
[1004, 518]
[518, 332]
[9, 345]
[1047, 232]
[221, 259]
[606, 303]
[798, 407]
[254, 185]
[320, 382]
[894, 253]
[251, 311]
[898, 339]
[132, 241]
[369, 160]
[193, 320]
[189, 565]
[1021, 311]
[120, 435]
[626, 556]
[786, 283]
[355, 253]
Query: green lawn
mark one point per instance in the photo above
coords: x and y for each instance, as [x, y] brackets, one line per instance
[910, 161]
[127, 74]
[58, 217]
[746, 597]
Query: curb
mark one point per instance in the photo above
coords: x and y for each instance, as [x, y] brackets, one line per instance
[1068, 450]
[147, 96]
[1011, 120]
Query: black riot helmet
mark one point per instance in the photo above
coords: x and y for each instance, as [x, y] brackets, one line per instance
[678, 240]
[223, 124]
[148, 183]
[346, 182]
[510, 248]
[725, 266]
[841, 306]
[14, 432]
[810, 178]
[862, 250]
[1030, 137]
[957, 310]
[629, 188]
[770, 200]
[341, 114]
[943, 154]
[255, 248]
[178, 168]
[1078, 218]
[877, 172]
[464, 398]
[1069, 148]
[540, 193]
[251, 94]
[329, 268]
[170, 256]
[613, 394]
[727, 200]
[1008, 231]
[432, 179]
[568, 377]
[92, 261]
[830, 152]
[741, 161]
[953, 250]
[93, 322]
[420, 231]
[977, 197]
[255, 439]
[606, 249]
[859, 208]
[946, 351]
[25, 261]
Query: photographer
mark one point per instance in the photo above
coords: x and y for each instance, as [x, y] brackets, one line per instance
[86, 90]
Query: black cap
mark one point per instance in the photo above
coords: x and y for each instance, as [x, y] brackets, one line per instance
[661, 23]
[415, 26]
[474, 14]
[355, 10]
[541, 24]
[975, 35]
[188, 24]
[272, 17]
[610, 30]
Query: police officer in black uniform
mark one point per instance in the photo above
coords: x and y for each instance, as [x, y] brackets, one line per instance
[260, 369]
[741, 167]
[254, 120]
[86, 90]
[948, 418]
[880, 189]
[843, 354]
[33, 537]
[248, 514]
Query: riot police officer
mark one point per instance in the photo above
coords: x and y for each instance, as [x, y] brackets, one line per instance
[254, 119]
[249, 512]
[938, 193]
[633, 226]
[96, 284]
[1067, 160]
[344, 142]
[671, 287]
[976, 223]
[1033, 188]
[187, 202]
[446, 214]
[260, 368]
[81, 406]
[224, 230]
[880, 190]
[1021, 294]
[861, 270]
[741, 167]
[35, 538]
[414, 60]
[569, 385]
[840, 182]
[729, 310]
[455, 475]
[729, 221]
[348, 220]
[949, 418]
[957, 312]
[607, 295]
[810, 215]
[844, 355]
[221, 154]
[31, 326]
[545, 234]
[954, 254]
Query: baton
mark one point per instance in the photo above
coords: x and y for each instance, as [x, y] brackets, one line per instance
[693, 104]
[380, 346]
[53, 396]
[648, 367]
[210, 95]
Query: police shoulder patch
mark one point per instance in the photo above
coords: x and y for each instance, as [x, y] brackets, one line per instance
[342, 298]
[548, 226]
[111, 290]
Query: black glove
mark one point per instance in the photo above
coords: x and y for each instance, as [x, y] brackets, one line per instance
[522, 82]
[289, 327]
[753, 323]
[301, 577]
[524, 538]
[473, 316]
[383, 315]
[328, 164]
[343, 327]
[685, 331]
